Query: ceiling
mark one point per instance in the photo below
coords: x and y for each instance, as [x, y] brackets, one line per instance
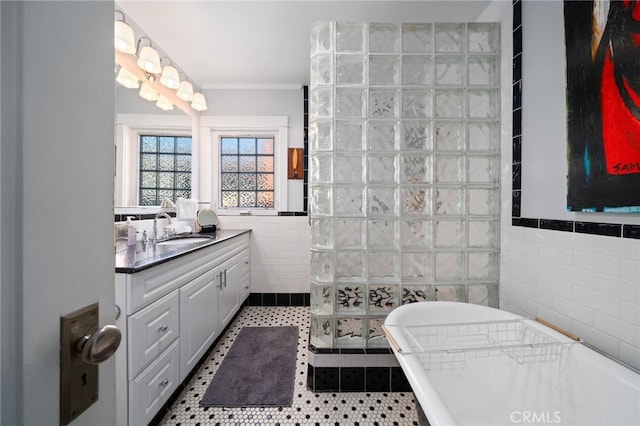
[264, 44]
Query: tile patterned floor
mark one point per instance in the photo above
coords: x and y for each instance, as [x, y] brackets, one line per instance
[357, 408]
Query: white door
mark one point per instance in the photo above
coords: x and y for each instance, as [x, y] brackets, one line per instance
[57, 190]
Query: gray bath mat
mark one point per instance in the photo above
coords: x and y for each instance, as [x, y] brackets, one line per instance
[258, 370]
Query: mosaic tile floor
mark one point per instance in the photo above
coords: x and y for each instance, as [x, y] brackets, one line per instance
[357, 408]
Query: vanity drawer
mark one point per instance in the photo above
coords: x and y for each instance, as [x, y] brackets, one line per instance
[154, 386]
[151, 331]
[147, 286]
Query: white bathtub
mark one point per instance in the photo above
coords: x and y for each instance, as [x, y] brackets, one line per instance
[578, 387]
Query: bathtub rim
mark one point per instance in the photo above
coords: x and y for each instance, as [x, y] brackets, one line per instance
[428, 396]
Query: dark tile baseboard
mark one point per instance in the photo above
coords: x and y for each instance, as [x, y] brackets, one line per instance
[278, 299]
[357, 379]
[350, 351]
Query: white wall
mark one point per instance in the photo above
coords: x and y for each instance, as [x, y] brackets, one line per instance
[587, 284]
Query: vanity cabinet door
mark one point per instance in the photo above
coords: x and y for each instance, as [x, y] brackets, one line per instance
[229, 296]
[198, 319]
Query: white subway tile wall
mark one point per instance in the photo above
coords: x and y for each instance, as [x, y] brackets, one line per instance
[587, 284]
[280, 251]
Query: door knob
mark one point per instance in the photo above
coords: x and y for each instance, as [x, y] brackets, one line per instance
[99, 346]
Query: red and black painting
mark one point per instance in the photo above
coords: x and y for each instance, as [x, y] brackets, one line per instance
[603, 105]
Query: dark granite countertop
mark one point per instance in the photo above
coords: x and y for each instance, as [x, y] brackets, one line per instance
[143, 256]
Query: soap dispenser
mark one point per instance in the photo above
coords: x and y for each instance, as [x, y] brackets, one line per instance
[131, 232]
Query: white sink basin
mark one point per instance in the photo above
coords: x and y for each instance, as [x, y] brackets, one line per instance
[183, 241]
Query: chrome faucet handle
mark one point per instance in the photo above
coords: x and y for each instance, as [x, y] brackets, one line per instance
[167, 229]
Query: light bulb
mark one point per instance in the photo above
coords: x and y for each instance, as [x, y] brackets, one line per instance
[164, 103]
[127, 78]
[199, 103]
[185, 91]
[149, 60]
[147, 92]
[170, 77]
[123, 38]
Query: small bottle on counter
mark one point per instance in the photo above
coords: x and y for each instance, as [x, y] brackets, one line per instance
[131, 232]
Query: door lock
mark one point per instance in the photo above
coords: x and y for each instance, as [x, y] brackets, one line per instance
[82, 347]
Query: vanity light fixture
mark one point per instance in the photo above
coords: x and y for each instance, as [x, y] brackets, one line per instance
[149, 93]
[127, 78]
[185, 91]
[148, 58]
[124, 39]
[141, 66]
[163, 103]
[199, 103]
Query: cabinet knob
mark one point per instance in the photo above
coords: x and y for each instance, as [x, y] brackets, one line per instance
[163, 328]
[99, 346]
[164, 383]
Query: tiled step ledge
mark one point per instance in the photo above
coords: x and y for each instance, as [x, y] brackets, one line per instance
[354, 370]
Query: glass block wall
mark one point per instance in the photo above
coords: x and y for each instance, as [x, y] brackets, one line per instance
[404, 172]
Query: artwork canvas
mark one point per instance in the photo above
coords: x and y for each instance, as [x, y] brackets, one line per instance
[602, 41]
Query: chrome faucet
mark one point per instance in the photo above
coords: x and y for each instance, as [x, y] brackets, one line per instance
[155, 224]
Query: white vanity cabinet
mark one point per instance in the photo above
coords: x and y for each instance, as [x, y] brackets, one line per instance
[171, 313]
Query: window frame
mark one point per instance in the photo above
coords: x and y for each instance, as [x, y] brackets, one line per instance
[129, 128]
[229, 135]
[215, 127]
[156, 171]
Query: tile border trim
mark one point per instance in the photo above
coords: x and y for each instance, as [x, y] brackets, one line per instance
[579, 227]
